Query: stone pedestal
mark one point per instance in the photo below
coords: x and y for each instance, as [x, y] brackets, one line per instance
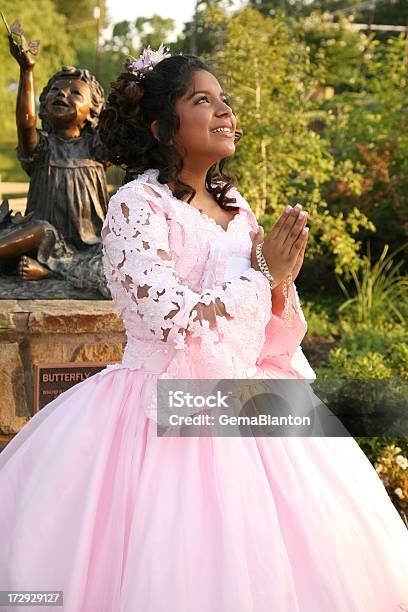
[49, 331]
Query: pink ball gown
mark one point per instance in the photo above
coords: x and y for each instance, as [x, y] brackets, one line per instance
[95, 504]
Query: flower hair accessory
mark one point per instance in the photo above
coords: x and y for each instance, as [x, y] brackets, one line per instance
[147, 61]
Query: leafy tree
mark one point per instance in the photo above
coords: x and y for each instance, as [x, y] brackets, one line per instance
[130, 37]
[154, 30]
[392, 12]
[299, 8]
[337, 51]
[369, 129]
[80, 19]
[383, 11]
[123, 36]
[202, 34]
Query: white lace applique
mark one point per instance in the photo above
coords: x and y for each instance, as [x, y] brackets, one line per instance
[144, 280]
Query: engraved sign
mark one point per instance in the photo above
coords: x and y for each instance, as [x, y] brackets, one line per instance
[50, 380]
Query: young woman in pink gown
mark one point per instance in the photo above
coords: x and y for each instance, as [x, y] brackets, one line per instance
[94, 503]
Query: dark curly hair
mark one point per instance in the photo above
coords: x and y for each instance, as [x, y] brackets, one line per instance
[96, 90]
[133, 104]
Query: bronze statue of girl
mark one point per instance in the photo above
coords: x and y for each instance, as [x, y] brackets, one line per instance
[66, 162]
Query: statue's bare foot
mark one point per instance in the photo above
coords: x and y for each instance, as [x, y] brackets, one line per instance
[30, 269]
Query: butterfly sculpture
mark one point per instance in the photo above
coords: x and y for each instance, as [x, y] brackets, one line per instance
[16, 29]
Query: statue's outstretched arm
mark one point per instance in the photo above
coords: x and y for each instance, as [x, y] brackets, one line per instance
[25, 107]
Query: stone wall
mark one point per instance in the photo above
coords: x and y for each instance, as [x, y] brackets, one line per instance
[49, 331]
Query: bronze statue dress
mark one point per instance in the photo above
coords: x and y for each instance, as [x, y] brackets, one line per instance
[68, 185]
[66, 162]
[68, 196]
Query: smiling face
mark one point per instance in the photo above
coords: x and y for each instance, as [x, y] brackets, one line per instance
[207, 123]
[68, 103]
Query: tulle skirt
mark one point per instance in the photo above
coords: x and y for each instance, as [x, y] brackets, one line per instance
[95, 504]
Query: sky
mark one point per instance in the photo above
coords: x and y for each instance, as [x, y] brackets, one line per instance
[179, 10]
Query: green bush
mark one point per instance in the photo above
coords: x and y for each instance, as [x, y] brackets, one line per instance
[365, 352]
[319, 322]
[372, 352]
[380, 290]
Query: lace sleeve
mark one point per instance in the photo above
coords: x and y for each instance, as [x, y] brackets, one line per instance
[142, 276]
